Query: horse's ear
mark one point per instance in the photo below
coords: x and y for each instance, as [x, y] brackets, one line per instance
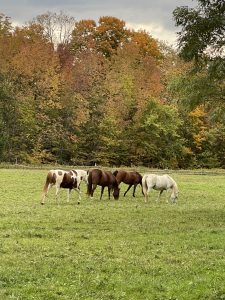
[115, 173]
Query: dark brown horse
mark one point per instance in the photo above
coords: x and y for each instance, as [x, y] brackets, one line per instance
[131, 178]
[102, 178]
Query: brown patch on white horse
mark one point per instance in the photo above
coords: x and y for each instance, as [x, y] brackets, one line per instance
[61, 179]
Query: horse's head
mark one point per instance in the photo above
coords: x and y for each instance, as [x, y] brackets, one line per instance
[116, 193]
[175, 192]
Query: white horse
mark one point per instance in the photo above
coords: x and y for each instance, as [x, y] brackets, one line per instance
[159, 183]
[62, 179]
[83, 174]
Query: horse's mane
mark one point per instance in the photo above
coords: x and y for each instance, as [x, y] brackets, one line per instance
[115, 172]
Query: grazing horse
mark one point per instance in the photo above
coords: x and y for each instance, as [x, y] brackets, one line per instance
[83, 174]
[159, 183]
[131, 178]
[62, 179]
[102, 178]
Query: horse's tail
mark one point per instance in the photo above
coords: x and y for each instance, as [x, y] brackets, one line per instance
[86, 176]
[89, 184]
[140, 179]
[115, 173]
[46, 186]
[144, 185]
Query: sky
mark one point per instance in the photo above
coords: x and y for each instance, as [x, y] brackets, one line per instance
[154, 16]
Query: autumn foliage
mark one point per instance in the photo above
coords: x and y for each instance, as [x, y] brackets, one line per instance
[102, 94]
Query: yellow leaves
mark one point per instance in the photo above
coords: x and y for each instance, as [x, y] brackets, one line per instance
[198, 112]
[187, 151]
[199, 138]
[49, 83]
[199, 125]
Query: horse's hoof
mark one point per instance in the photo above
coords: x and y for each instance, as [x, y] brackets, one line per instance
[78, 202]
[42, 203]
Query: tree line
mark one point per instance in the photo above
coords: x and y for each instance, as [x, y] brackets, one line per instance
[85, 92]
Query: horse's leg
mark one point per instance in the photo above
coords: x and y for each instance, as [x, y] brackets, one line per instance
[141, 189]
[160, 193]
[45, 193]
[146, 196]
[79, 194]
[57, 187]
[47, 186]
[149, 188]
[68, 195]
[134, 190]
[102, 190]
[93, 189]
[127, 189]
[109, 190]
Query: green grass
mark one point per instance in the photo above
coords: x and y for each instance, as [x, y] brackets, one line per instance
[105, 249]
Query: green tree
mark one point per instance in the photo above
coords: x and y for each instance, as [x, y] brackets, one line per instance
[202, 38]
[5, 25]
[159, 141]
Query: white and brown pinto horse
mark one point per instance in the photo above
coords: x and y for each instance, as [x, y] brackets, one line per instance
[159, 183]
[62, 179]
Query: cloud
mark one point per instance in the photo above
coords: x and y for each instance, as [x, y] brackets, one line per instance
[153, 16]
[156, 30]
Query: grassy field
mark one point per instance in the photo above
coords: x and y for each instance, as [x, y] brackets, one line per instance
[105, 249]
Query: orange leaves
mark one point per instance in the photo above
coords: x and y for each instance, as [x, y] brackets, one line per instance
[83, 35]
[105, 37]
[35, 64]
[110, 33]
[146, 44]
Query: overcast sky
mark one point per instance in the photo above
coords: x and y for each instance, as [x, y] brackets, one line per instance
[155, 16]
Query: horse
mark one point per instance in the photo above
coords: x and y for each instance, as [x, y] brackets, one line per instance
[62, 179]
[83, 174]
[103, 179]
[159, 183]
[131, 178]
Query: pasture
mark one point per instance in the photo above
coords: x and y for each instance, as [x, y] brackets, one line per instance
[124, 249]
